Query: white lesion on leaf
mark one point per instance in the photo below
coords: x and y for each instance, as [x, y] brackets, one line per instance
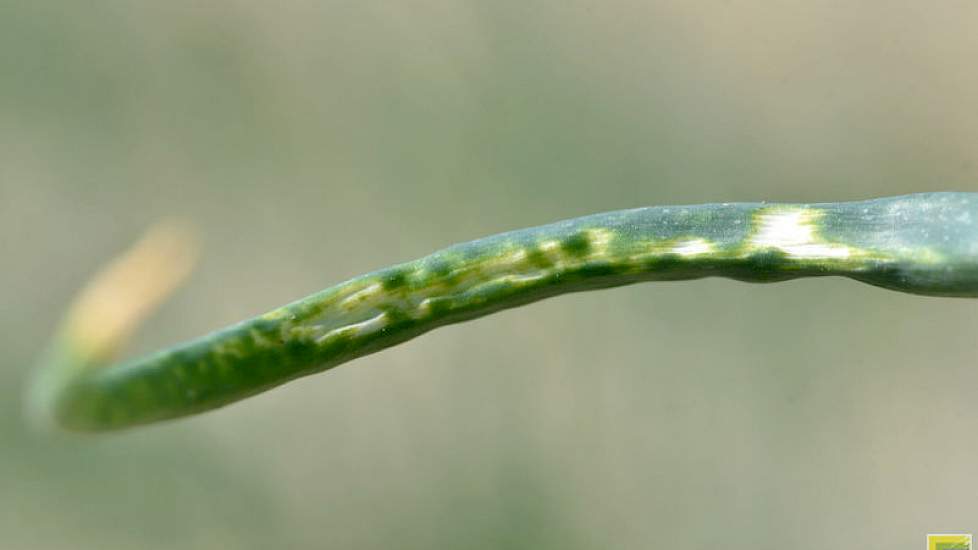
[692, 247]
[361, 328]
[794, 232]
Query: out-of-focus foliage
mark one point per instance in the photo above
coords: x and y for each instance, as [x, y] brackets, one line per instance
[312, 141]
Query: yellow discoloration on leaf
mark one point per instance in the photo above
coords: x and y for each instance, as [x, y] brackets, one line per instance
[515, 256]
[600, 239]
[354, 300]
[130, 288]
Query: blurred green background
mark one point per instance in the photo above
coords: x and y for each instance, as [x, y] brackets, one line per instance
[312, 141]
